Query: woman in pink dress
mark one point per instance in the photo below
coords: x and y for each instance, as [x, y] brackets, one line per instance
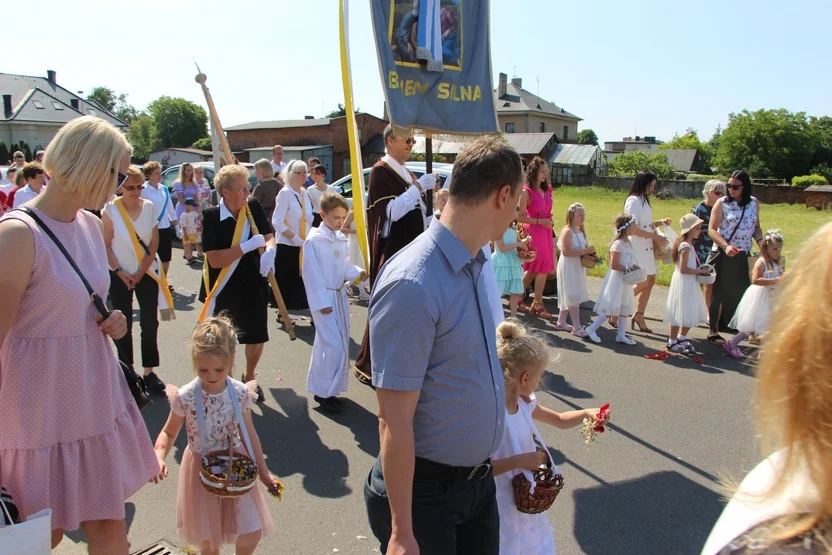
[536, 204]
[72, 438]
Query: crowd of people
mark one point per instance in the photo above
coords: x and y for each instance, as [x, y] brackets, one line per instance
[436, 333]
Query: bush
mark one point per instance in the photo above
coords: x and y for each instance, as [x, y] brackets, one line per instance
[664, 194]
[823, 169]
[630, 163]
[703, 177]
[203, 144]
[807, 180]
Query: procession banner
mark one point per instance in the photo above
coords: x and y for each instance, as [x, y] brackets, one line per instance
[356, 165]
[451, 97]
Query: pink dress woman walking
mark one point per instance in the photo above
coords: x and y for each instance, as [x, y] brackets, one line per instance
[71, 437]
[540, 207]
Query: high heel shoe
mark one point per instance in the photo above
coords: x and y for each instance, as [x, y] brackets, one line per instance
[539, 312]
[641, 328]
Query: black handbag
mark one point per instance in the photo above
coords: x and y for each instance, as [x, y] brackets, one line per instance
[715, 256]
[134, 381]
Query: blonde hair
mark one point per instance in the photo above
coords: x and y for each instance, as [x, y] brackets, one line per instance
[518, 350]
[794, 385]
[622, 223]
[772, 236]
[570, 214]
[134, 176]
[331, 201]
[227, 174]
[19, 180]
[84, 159]
[265, 166]
[181, 177]
[438, 193]
[214, 336]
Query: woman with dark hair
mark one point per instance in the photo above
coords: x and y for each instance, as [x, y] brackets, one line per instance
[536, 212]
[735, 221]
[638, 204]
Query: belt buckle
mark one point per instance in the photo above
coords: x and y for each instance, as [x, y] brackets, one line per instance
[482, 466]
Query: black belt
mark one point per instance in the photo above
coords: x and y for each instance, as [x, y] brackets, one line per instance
[430, 470]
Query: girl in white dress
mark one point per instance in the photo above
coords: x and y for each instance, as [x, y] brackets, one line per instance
[752, 315]
[570, 273]
[685, 303]
[616, 297]
[524, 358]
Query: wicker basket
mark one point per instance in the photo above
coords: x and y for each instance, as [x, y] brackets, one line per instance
[222, 485]
[635, 276]
[710, 278]
[546, 490]
[589, 261]
[527, 255]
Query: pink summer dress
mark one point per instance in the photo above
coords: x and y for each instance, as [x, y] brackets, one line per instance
[71, 437]
[540, 206]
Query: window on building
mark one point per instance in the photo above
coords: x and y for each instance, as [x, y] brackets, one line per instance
[543, 127]
[57, 105]
[92, 112]
[38, 104]
[509, 127]
[565, 132]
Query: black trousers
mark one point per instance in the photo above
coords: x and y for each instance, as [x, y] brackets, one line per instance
[121, 298]
[731, 282]
[165, 250]
[459, 517]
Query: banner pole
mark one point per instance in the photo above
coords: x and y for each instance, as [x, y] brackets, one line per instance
[429, 169]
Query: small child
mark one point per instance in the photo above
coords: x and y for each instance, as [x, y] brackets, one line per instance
[326, 274]
[440, 199]
[571, 275]
[524, 358]
[616, 297]
[685, 304]
[753, 312]
[508, 267]
[354, 255]
[191, 232]
[202, 518]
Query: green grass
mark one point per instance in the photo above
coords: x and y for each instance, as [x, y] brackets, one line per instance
[603, 205]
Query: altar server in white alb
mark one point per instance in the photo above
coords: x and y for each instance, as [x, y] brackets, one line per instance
[326, 274]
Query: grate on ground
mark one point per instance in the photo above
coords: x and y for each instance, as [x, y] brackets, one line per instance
[161, 548]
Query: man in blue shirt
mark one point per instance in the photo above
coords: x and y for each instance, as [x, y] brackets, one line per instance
[434, 361]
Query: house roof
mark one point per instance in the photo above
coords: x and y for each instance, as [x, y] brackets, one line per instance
[575, 155]
[523, 143]
[682, 159]
[518, 99]
[56, 101]
[280, 124]
[287, 148]
[189, 150]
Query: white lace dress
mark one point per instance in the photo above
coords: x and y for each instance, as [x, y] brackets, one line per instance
[571, 275]
[685, 303]
[754, 310]
[616, 297]
[520, 533]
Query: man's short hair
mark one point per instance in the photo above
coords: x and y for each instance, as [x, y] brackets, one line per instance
[388, 134]
[331, 201]
[19, 154]
[31, 170]
[275, 147]
[483, 168]
[150, 167]
[10, 171]
[314, 161]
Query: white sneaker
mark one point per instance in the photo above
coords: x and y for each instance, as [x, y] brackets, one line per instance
[592, 335]
[624, 339]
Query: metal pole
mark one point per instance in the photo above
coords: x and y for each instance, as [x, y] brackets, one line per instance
[429, 169]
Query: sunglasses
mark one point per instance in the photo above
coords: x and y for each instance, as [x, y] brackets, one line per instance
[132, 188]
[735, 187]
[410, 141]
[120, 179]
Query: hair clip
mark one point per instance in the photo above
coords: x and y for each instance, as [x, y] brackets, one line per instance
[211, 337]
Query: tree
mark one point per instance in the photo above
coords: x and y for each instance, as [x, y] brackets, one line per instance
[141, 136]
[5, 155]
[690, 140]
[767, 143]
[177, 122]
[340, 112]
[27, 152]
[630, 163]
[124, 111]
[105, 97]
[587, 137]
[203, 144]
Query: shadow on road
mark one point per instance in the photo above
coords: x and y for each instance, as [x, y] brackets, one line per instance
[324, 470]
[651, 514]
[362, 423]
[555, 383]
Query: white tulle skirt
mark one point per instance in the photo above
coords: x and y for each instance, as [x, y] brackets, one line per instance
[754, 310]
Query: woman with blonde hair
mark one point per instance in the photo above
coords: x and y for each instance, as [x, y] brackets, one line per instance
[784, 505]
[73, 439]
[184, 188]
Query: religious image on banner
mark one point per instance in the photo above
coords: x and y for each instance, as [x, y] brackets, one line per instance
[404, 32]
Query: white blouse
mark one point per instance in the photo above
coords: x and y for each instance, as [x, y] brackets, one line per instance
[122, 245]
[315, 195]
[287, 215]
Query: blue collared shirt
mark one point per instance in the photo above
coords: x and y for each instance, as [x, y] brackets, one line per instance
[432, 331]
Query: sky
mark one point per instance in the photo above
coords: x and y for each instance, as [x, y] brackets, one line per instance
[646, 67]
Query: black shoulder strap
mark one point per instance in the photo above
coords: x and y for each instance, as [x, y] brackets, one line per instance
[96, 300]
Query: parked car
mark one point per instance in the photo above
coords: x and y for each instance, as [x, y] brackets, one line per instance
[172, 174]
[344, 185]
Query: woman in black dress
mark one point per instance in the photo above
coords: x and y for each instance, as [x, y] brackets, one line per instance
[236, 270]
[292, 220]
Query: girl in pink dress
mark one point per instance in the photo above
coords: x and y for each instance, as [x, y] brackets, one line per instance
[71, 437]
[536, 214]
[202, 518]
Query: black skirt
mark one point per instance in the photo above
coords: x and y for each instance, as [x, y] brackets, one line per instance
[246, 302]
[289, 280]
[732, 280]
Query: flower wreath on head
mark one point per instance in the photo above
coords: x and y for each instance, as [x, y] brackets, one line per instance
[773, 234]
[626, 224]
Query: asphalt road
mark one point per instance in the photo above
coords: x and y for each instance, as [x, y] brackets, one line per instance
[650, 485]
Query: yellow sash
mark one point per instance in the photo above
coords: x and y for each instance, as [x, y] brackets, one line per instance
[302, 229]
[166, 306]
[242, 218]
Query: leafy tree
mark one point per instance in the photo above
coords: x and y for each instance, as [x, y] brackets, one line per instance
[27, 152]
[5, 155]
[823, 169]
[767, 143]
[105, 97]
[177, 122]
[340, 112]
[124, 111]
[203, 144]
[630, 163]
[587, 137]
[141, 136]
[690, 140]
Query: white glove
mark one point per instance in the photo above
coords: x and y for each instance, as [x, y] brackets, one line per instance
[179, 233]
[297, 241]
[427, 181]
[267, 261]
[256, 242]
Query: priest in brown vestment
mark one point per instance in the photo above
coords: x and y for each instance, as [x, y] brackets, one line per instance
[396, 215]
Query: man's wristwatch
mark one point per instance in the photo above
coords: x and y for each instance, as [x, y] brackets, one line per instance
[117, 270]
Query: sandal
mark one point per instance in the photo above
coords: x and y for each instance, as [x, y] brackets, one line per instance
[733, 351]
[641, 328]
[689, 348]
[563, 327]
[521, 306]
[716, 339]
[539, 312]
[580, 332]
[676, 347]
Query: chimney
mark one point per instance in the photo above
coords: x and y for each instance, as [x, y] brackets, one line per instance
[308, 117]
[7, 105]
[517, 82]
[74, 102]
[501, 90]
[51, 75]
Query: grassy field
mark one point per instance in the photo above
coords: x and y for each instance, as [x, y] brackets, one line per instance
[603, 205]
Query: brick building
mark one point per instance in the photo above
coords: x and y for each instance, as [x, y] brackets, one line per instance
[312, 132]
